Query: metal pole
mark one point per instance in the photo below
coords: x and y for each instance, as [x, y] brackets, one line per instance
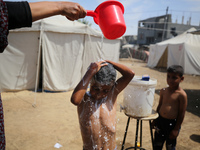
[140, 133]
[125, 133]
[136, 135]
[151, 132]
[165, 20]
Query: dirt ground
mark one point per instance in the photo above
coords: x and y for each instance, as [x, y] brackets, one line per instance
[54, 119]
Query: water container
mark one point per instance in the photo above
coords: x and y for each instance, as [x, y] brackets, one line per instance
[139, 97]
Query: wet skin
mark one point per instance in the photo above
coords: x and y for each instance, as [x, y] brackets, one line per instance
[97, 108]
[171, 97]
[99, 121]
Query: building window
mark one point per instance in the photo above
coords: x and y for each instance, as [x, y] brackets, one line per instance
[149, 40]
[141, 36]
[159, 35]
[161, 20]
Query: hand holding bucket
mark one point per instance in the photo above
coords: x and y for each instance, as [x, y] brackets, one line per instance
[109, 16]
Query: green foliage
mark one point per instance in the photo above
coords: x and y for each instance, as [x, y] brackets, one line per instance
[84, 21]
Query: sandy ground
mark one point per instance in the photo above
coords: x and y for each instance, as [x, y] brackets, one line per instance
[54, 119]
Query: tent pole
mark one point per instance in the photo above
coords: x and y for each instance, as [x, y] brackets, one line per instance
[38, 65]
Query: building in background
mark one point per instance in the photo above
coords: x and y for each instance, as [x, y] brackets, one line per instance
[129, 39]
[157, 29]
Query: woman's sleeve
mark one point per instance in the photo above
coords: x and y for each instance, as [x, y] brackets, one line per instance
[19, 15]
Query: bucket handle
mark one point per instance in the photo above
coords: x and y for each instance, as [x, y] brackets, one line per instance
[91, 13]
[122, 107]
[147, 99]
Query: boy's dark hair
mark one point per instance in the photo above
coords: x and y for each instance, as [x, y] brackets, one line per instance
[106, 75]
[176, 69]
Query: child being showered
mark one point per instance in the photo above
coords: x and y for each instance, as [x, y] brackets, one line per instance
[97, 107]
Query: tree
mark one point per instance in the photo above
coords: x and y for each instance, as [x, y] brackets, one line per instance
[84, 21]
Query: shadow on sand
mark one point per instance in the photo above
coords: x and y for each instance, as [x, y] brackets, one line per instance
[193, 101]
[195, 138]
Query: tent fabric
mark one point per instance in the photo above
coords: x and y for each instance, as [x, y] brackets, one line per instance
[67, 48]
[62, 62]
[163, 59]
[155, 53]
[182, 50]
[96, 50]
[18, 62]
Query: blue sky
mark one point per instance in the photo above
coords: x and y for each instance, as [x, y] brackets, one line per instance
[136, 10]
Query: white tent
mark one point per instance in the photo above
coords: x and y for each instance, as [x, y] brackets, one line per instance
[182, 50]
[67, 49]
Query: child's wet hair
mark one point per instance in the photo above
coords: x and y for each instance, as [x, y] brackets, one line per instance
[176, 69]
[106, 75]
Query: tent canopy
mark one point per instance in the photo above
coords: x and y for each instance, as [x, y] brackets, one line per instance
[60, 24]
[182, 50]
[66, 48]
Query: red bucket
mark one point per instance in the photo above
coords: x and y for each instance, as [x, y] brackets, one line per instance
[109, 16]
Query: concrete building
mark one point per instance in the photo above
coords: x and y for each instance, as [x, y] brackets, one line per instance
[129, 39]
[157, 29]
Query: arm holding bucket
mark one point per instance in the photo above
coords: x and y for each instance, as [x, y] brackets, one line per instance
[127, 75]
[71, 10]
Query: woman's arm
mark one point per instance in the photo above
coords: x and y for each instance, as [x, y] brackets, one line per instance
[22, 14]
[71, 10]
[19, 14]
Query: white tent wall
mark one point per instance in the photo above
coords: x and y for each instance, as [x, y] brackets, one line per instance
[18, 62]
[176, 55]
[66, 57]
[183, 50]
[67, 50]
[152, 50]
[60, 24]
[193, 65]
[64, 67]
[97, 49]
[62, 62]
[192, 55]
[186, 55]
[155, 53]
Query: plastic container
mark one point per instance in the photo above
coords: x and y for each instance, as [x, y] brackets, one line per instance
[109, 16]
[139, 97]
